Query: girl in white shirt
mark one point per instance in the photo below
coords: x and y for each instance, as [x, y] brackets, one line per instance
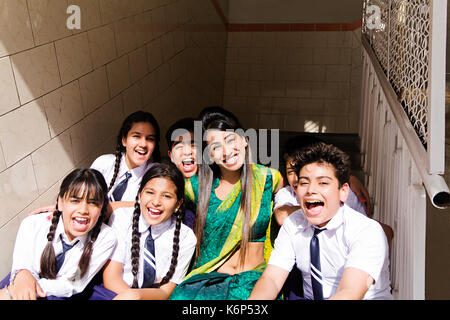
[56, 258]
[137, 147]
[157, 214]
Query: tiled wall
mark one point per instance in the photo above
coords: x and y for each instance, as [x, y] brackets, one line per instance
[294, 80]
[63, 93]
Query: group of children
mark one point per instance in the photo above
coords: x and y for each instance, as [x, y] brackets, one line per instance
[136, 227]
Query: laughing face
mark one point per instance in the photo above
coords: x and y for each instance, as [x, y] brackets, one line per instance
[79, 214]
[227, 149]
[319, 193]
[184, 153]
[139, 144]
[158, 200]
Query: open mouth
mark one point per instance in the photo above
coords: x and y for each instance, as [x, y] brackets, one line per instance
[80, 224]
[188, 164]
[314, 207]
[230, 161]
[154, 213]
[141, 153]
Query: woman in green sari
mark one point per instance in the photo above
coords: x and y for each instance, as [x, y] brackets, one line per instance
[233, 200]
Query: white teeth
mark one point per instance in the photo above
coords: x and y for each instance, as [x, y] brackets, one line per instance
[188, 161]
[154, 211]
[81, 220]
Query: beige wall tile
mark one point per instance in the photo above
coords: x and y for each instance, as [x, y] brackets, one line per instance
[154, 54]
[74, 58]
[138, 64]
[8, 234]
[94, 90]
[63, 108]
[288, 39]
[102, 45]
[90, 13]
[178, 67]
[271, 121]
[284, 105]
[2, 159]
[273, 88]
[118, 75]
[36, 72]
[263, 39]
[23, 130]
[132, 99]
[15, 27]
[236, 71]
[239, 39]
[248, 88]
[262, 72]
[8, 92]
[144, 30]
[179, 41]
[17, 189]
[48, 19]
[163, 77]
[287, 72]
[167, 47]
[58, 153]
[125, 32]
[149, 89]
[158, 21]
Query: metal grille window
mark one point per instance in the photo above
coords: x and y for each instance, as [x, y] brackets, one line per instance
[401, 43]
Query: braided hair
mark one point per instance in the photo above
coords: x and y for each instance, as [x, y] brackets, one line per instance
[136, 117]
[171, 172]
[90, 184]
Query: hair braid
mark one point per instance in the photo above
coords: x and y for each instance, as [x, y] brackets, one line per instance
[83, 265]
[116, 166]
[175, 250]
[48, 257]
[135, 244]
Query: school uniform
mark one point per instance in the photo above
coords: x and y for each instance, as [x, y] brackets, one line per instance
[163, 233]
[349, 240]
[31, 241]
[106, 164]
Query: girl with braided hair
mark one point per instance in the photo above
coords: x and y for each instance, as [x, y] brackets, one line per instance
[137, 147]
[155, 248]
[57, 254]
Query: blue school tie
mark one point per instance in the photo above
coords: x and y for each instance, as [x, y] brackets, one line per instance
[121, 187]
[316, 273]
[61, 256]
[149, 261]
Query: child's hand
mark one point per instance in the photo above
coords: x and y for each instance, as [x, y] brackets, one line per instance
[50, 208]
[25, 287]
[130, 294]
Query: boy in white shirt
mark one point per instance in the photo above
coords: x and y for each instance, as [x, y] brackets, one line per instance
[340, 253]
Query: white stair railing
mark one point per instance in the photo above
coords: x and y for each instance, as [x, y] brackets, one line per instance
[402, 127]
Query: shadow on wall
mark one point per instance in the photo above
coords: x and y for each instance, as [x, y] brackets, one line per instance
[64, 93]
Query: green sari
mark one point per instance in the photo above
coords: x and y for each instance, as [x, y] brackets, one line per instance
[222, 236]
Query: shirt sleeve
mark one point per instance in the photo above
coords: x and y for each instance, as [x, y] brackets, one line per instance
[119, 253]
[284, 197]
[187, 248]
[23, 254]
[368, 250]
[64, 286]
[283, 254]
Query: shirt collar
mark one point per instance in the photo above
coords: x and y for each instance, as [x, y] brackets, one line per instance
[158, 229]
[136, 173]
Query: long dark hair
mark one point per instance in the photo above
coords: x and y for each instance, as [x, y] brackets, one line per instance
[171, 172]
[136, 117]
[220, 119]
[92, 185]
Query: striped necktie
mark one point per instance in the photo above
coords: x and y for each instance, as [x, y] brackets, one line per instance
[316, 273]
[121, 187]
[149, 261]
[61, 256]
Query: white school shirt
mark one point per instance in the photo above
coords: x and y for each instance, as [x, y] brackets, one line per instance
[31, 241]
[106, 163]
[121, 221]
[350, 240]
[287, 196]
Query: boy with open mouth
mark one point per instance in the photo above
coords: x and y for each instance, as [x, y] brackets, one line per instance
[341, 253]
